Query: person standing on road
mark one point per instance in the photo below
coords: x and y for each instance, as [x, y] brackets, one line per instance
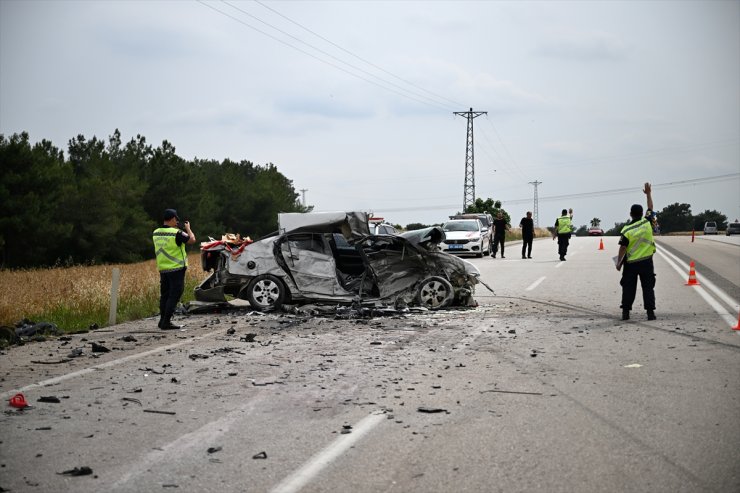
[499, 233]
[563, 230]
[527, 225]
[636, 250]
[172, 262]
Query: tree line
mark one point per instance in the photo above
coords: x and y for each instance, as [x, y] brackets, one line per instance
[100, 202]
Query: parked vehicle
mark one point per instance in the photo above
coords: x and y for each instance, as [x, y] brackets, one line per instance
[378, 226]
[733, 229]
[466, 237]
[595, 232]
[333, 258]
[710, 228]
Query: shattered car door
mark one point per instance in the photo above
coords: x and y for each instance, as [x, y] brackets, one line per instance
[397, 265]
[311, 264]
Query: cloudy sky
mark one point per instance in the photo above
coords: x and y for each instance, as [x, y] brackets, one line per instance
[354, 101]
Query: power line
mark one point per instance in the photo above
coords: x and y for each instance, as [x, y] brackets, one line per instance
[616, 191]
[428, 103]
[357, 56]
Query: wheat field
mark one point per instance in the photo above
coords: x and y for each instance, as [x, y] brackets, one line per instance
[81, 294]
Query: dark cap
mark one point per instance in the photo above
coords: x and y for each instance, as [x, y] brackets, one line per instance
[636, 210]
[169, 214]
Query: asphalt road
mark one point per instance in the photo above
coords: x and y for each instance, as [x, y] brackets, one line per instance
[540, 388]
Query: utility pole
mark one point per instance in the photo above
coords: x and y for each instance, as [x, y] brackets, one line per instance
[536, 203]
[303, 191]
[469, 186]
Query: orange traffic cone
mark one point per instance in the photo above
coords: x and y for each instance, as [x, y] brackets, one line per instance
[601, 244]
[737, 325]
[693, 281]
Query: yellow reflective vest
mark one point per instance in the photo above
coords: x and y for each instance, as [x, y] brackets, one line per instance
[170, 255]
[640, 236]
[564, 226]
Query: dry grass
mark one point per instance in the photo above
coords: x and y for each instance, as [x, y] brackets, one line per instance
[75, 296]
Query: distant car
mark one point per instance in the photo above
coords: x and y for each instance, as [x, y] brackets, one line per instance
[710, 228]
[733, 229]
[382, 228]
[485, 218]
[466, 236]
[595, 232]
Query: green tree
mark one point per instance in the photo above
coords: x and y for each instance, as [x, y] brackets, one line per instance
[489, 206]
[616, 230]
[708, 215]
[582, 231]
[675, 217]
[595, 222]
[33, 182]
[415, 226]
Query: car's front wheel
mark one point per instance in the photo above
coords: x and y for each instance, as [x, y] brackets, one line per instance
[265, 292]
[434, 292]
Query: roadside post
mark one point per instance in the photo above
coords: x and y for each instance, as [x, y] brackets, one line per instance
[115, 281]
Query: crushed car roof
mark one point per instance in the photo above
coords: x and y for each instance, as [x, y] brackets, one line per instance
[351, 224]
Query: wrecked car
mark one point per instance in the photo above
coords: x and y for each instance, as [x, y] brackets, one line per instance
[332, 258]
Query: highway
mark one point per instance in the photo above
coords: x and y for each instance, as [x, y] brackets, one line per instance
[541, 388]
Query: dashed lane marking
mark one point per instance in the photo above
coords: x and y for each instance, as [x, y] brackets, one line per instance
[536, 283]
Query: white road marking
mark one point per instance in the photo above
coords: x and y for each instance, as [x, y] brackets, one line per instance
[536, 283]
[206, 434]
[318, 462]
[709, 284]
[716, 306]
[559, 264]
[101, 366]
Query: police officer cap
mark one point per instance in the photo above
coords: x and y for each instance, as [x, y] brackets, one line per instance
[636, 210]
[169, 214]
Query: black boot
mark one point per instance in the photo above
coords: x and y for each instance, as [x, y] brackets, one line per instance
[651, 314]
[625, 314]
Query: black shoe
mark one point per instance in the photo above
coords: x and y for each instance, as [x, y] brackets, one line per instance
[524, 257]
[625, 314]
[493, 256]
[502, 256]
[651, 315]
[171, 326]
[529, 257]
[562, 259]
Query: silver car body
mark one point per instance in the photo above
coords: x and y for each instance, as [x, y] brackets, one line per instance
[331, 257]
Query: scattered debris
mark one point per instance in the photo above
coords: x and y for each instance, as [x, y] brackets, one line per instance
[261, 455]
[131, 399]
[633, 365]
[129, 338]
[213, 450]
[49, 398]
[511, 392]
[195, 356]
[346, 429]
[248, 338]
[18, 401]
[75, 353]
[99, 348]
[156, 411]
[432, 410]
[77, 471]
[54, 362]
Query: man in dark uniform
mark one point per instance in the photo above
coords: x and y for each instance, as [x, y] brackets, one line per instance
[172, 262]
[563, 230]
[636, 250]
[527, 225]
[499, 233]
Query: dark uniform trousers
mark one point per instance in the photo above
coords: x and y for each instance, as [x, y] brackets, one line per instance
[498, 240]
[527, 245]
[642, 269]
[563, 241]
[171, 287]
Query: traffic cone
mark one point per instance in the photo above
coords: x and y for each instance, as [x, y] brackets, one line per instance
[19, 401]
[693, 281]
[737, 325]
[601, 244]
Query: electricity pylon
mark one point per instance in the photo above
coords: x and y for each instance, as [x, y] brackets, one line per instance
[536, 211]
[469, 186]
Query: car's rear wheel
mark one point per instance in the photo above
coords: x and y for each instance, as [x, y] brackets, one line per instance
[265, 292]
[434, 292]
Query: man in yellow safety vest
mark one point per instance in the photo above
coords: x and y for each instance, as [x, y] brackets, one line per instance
[636, 250]
[563, 230]
[172, 261]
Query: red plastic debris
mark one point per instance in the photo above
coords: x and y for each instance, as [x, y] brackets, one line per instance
[19, 401]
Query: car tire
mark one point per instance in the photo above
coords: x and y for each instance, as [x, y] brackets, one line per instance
[264, 293]
[434, 293]
[490, 248]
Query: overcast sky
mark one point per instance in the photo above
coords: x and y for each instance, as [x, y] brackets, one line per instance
[354, 101]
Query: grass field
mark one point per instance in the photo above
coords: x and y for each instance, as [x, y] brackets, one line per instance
[73, 298]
